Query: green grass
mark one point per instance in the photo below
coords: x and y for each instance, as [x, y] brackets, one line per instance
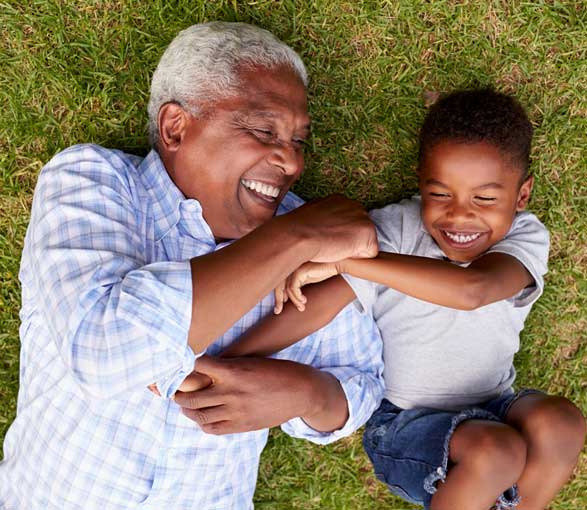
[75, 72]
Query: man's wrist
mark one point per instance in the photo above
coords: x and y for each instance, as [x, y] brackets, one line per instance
[293, 236]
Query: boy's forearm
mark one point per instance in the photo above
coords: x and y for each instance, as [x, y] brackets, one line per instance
[441, 282]
[276, 332]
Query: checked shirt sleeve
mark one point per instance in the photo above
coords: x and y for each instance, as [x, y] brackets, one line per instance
[350, 348]
[119, 324]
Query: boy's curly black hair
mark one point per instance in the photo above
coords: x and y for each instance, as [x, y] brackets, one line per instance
[483, 115]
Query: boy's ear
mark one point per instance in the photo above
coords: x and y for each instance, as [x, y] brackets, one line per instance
[524, 193]
[173, 120]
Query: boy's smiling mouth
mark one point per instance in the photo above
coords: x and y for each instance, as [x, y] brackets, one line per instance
[462, 240]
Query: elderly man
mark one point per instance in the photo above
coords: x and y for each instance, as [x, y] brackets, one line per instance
[133, 268]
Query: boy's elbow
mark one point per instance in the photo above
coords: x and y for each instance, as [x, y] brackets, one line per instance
[475, 294]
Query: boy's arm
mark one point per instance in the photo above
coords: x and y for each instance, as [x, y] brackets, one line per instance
[276, 332]
[490, 278]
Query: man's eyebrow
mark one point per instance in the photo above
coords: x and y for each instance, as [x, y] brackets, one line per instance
[263, 114]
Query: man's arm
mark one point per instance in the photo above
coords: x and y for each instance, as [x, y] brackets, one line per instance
[337, 393]
[119, 322]
[316, 396]
[255, 393]
[229, 282]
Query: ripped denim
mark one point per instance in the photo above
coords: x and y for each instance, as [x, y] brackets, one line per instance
[409, 449]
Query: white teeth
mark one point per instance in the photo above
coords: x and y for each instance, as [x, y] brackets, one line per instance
[260, 187]
[462, 238]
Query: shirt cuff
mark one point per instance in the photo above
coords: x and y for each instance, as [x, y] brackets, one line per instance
[169, 385]
[359, 412]
[157, 298]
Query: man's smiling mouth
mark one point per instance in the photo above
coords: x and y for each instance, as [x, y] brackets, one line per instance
[268, 191]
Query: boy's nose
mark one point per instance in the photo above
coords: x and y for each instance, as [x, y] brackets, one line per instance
[460, 210]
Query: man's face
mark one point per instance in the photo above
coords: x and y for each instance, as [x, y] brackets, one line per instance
[241, 158]
[470, 195]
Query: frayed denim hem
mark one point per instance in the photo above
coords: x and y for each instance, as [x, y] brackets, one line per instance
[440, 474]
[509, 499]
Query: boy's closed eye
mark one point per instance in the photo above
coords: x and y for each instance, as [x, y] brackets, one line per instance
[441, 196]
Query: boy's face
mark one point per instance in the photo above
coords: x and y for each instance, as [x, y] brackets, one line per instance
[470, 195]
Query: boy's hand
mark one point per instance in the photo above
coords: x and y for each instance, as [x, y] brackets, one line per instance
[311, 272]
[193, 382]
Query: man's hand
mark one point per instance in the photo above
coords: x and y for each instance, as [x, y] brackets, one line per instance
[339, 228]
[311, 272]
[255, 393]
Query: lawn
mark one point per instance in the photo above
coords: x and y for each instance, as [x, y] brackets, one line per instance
[74, 72]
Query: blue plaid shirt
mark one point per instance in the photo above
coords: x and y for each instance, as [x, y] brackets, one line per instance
[106, 306]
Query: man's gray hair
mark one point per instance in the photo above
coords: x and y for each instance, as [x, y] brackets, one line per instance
[201, 65]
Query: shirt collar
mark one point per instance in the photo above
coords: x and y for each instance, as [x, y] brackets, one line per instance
[167, 199]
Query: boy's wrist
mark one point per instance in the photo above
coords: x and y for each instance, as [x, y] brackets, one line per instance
[343, 266]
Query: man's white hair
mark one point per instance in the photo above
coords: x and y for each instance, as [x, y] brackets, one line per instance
[201, 64]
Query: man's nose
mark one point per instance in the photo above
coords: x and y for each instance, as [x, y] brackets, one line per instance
[286, 157]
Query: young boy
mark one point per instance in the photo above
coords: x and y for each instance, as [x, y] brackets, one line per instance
[459, 269]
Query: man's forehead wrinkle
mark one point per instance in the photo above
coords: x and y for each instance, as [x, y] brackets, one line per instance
[254, 111]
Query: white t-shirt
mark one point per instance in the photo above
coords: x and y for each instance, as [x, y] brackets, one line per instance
[441, 357]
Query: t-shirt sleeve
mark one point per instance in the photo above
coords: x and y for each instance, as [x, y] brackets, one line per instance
[528, 241]
[389, 222]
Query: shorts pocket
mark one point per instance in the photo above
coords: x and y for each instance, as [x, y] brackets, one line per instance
[403, 477]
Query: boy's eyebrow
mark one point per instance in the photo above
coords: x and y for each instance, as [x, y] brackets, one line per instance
[495, 185]
[436, 183]
[492, 185]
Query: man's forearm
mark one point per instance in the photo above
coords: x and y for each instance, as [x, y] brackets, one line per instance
[229, 282]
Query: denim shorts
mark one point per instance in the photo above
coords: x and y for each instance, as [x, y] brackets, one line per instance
[409, 448]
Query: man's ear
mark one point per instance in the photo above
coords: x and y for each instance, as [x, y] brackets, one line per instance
[172, 121]
[524, 193]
